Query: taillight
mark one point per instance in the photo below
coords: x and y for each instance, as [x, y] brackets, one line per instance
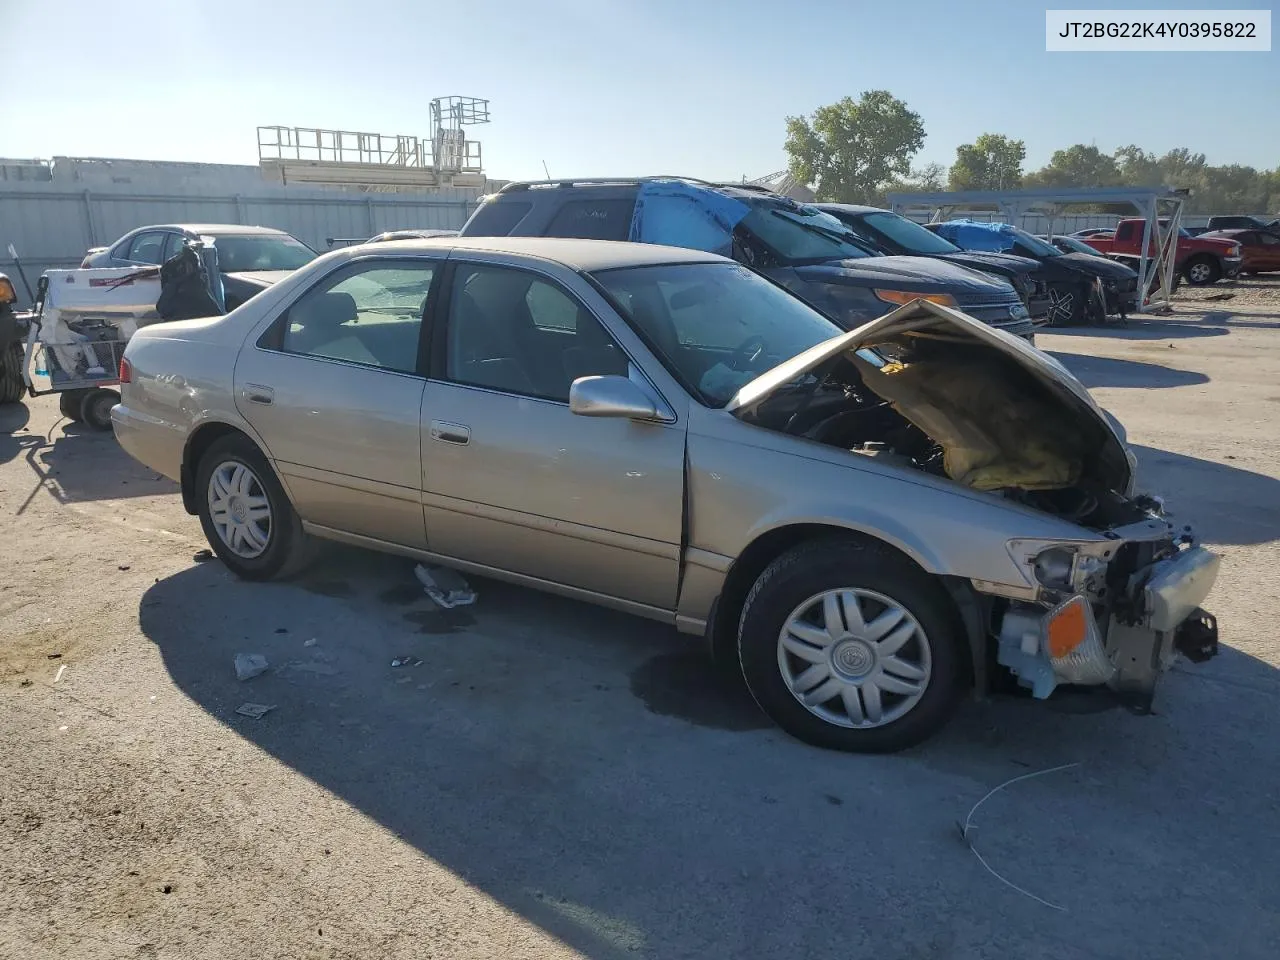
[126, 370]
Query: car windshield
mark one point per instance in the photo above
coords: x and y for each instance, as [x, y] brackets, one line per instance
[716, 326]
[237, 254]
[797, 234]
[907, 234]
[1035, 244]
[1074, 244]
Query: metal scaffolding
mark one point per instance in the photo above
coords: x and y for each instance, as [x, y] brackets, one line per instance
[380, 161]
[1159, 207]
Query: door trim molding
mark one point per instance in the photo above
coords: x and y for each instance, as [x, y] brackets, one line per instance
[347, 482]
[562, 528]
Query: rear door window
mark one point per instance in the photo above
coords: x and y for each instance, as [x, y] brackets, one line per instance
[593, 220]
[147, 248]
[369, 313]
[174, 245]
[497, 218]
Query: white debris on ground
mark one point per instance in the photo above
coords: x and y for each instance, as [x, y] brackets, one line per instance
[446, 587]
[249, 665]
[255, 710]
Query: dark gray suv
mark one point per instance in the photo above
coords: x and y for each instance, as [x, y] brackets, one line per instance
[796, 245]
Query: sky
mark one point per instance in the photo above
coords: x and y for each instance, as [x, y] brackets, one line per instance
[604, 87]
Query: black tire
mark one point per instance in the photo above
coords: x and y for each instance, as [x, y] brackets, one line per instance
[95, 408]
[1202, 271]
[11, 386]
[288, 547]
[70, 403]
[818, 566]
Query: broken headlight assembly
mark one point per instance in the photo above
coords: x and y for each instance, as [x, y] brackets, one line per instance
[1063, 567]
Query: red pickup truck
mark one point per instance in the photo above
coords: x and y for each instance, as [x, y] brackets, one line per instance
[1200, 260]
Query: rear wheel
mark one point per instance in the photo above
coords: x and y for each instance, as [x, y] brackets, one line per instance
[245, 513]
[11, 385]
[1202, 271]
[95, 408]
[69, 404]
[846, 644]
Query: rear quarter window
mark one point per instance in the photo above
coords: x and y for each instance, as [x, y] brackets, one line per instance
[497, 218]
[593, 220]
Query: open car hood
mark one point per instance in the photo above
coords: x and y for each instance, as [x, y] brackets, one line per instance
[1005, 413]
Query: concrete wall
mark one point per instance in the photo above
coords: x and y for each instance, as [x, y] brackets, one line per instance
[52, 223]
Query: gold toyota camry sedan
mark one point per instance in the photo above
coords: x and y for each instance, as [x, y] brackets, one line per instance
[866, 523]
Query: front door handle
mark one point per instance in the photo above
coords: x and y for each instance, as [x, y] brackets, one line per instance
[450, 432]
[257, 393]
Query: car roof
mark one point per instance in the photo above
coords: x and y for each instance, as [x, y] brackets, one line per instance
[582, 255]
[214, 229]
[850, 207]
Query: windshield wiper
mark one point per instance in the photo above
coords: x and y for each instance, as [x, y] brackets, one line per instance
[826, 234]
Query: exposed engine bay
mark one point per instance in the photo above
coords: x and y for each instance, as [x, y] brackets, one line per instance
[958, 409]
[930, 389]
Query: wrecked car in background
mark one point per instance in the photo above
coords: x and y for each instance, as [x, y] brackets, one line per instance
[1083, 288]
[862, 522]
[796, 245]
[895, 235]
[250, 259]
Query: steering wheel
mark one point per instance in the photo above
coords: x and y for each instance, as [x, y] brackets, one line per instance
[747, 352]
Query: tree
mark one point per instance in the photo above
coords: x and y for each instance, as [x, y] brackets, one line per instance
[992, 162]
[850, 149]
[1078, 166]
[1138, 168]
[930, 178]
[1181, 167]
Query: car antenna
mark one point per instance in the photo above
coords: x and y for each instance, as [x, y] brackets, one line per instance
[545, 170]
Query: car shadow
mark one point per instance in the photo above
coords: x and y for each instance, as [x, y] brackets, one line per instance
[75, 463]
[1254, 321]
[1113, 372]
[1141, 330]
[1224, 504]
[580, 768]
[14, 438]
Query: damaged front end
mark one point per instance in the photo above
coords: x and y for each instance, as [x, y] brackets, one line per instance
[1117, 611]
[927, 388]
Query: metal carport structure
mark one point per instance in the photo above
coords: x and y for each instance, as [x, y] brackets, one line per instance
[1153, 204]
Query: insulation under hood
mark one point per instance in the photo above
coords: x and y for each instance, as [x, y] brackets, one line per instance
[1005, 415]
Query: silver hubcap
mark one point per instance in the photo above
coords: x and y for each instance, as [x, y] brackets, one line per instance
[1200, 272]
[1061, 306]
[854, 658]
[240, 510]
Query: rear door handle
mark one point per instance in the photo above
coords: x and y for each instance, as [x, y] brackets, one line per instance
[257, 393]
[450, 432]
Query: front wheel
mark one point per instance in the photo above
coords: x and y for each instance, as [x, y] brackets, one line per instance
[245, 513]
[1067, 305]
[1202, 271]
[847, 645]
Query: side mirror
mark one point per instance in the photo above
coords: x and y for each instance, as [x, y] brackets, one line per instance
[611, 396]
